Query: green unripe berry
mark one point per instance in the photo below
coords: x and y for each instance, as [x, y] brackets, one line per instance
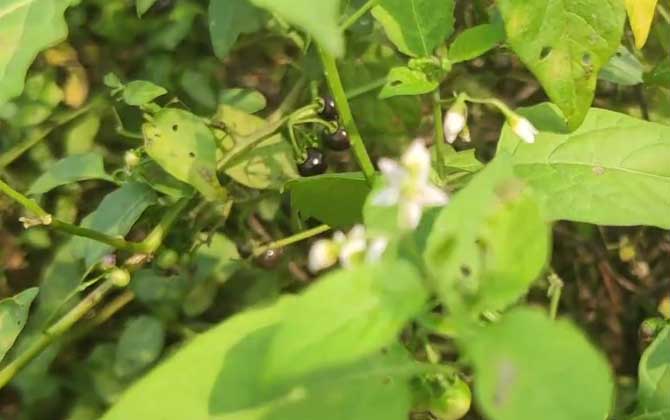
[119, 277]
[167, 259]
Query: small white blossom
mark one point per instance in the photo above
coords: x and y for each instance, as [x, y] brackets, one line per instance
[408, 186]
[347, 249]
[454, 123]
[524, 129]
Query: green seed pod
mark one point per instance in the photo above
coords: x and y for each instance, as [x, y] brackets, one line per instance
[119, 277]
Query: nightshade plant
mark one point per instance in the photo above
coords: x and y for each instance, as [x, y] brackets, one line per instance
[292, 209]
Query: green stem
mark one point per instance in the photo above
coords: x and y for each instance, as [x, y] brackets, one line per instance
[54, 332]
[291, 239]
[26, 202]
[358, 14]
[368, 87]
[440, 146]
[116, 242]
[554, 292]
[337, 90]
[155, 238]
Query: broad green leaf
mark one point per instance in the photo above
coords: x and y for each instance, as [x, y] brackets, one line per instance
[654, 375]
[247, 100]
[405, 81]
[268, 165]
[416, 27]
[611, 171]
[216, 376]
[641, 16]
[198, 86]
[28, 27]
[476, 41]
[318, 20]
[489, 244]
[140, 344]
[40, 97]
[140, 92]
[660, 75]
[334, 199]
[183, 145]
[623, 69]
[322, 334]
[80, 136]
[565, 43]
[115, 215]
[13, 317]
[142, 6]
[228, 19]
[68, 170]
[529, 367]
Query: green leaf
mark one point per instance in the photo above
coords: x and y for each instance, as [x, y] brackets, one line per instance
[40, 97]
[476, 41]
[334, 199]
[140, 92]
[322, 334]
[565, 43]
[660, 75]
[142, 6]
[623, 69]
[198, 87]
[140, 344]
[115, 215]
[28, 27]
[654, 375]
[416, 27]
[247, 100]
[611, 171]
[80, 136]
[228, 19]
[218, 259]
[13, 317]
[405, 81]
[529, 367]
[489, 244]
[216, 376]
[68, 170]
[318, 20]
[641, 15]
[183, 145]
[155, 176]
[268, 165]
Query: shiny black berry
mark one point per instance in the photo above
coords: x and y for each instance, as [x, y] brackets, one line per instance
[339, 140]
[314, 164]
[270, 258]
[329, 110]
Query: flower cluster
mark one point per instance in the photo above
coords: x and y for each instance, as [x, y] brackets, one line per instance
[349, 249]
[408, 186]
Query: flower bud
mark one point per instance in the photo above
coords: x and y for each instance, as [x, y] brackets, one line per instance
[455, 120]
[119, 277]
[523, 128]
[132, 159]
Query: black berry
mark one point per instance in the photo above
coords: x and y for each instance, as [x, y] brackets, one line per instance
[314, 164]
[270, 258]
[329, 110]
[339, 140]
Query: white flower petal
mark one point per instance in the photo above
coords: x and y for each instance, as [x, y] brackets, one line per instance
[376, 249]
[525, 129]
[416, 160]
[339, 237]
[353, 248]
[322, 255]
[454, 123]
[409, 214]
[386, 197]
[431, 196]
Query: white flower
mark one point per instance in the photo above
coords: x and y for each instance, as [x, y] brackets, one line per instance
[524, 129]
[347, 249]
[408, 186]
[455, 120]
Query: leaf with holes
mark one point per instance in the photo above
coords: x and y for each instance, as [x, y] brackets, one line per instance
[183, 145]
[405, 81]
[416, 27]
[68, 170]
[612, 171]
[530, 367]
[334, 199]
[28, 27]
[641, 16]
[565, 43]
